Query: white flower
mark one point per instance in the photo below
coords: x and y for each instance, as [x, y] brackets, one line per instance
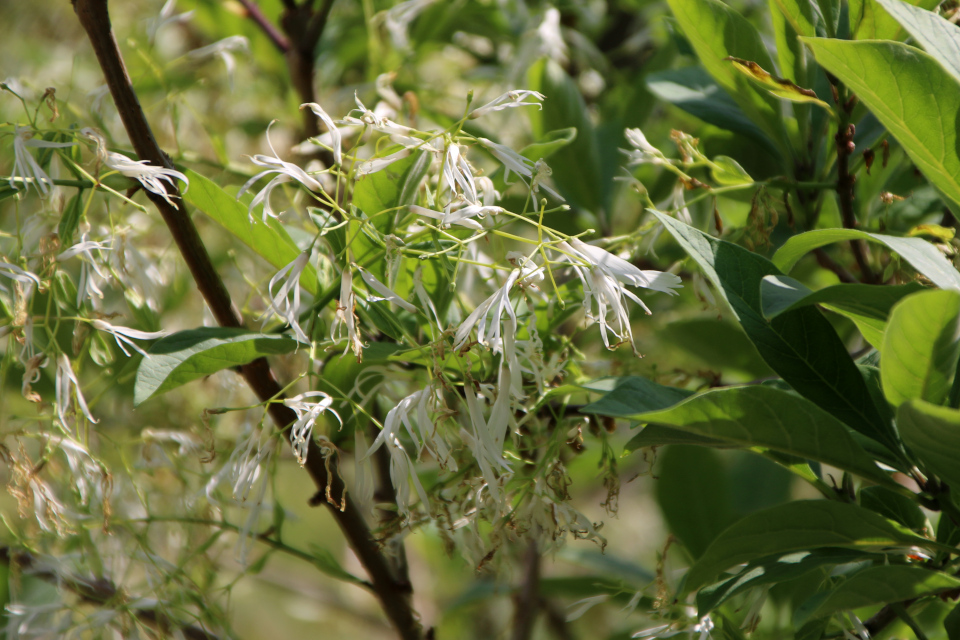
[551, 40]
[165, 17]
[386, 91]
[378, 164]
[280, 301]
[346, 316]
[25, 168]
[456, 171]
[88, 285]
[401, 467]
[384, 291]
[14, 272]
[66, 383]
[399, 18]
[333, 133]
[124, 335]
[223, 49]
[285, 171]
[307, 414]
[424, 298]
[496, 305]
[603, 280]
[644, 151]
[515, 98]
[462, 217]
[576, 609]
[150, 176]
[513, 162]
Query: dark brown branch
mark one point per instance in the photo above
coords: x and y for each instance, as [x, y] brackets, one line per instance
[304, 27]
[278, 39]
[394, 597]
[825, 261]
[103, 592]
[845, 187]
[527, 598]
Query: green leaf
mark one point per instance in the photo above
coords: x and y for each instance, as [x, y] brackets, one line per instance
[551, 142]
[799, 526]
[922, 256]
[952, 623]
[716, 32]
[727, 171]
[576, 166]
[873, 586]
[910, 93]
[758, 416]
[933, 433]
[800, 345]
[658, 435]
[719, 344]
[270, 240]
[867, 305]
[694, 495]
[938, 37]
[693, 90]
[777, 87]
[774, 570]
[894, 506]
[800, 15]
[196, 353]
[70, 219]
[920, 347]
[380, 191]
[633, 395]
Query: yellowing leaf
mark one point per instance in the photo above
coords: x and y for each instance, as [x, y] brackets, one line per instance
[779, 87]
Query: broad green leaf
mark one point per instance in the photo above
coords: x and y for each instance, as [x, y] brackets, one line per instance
[939, 37]
[867, 305]
[693, 90]
[694, 495]
[70, 219]
[781, 293]
[270, 240]
[894, 506]
[910, 93]
[774, 570]
[951, 623]
[777, 87]
[801, 525]
[576, 166]
[716, 31]
[758, 416]
[922, 256]
[873, 586]
[868, 21]
[196, 353]
[727, 171]
[920, 347]
[633, 395]
[381, 191]
[800, 345]
[719, 344]
[791, 55]
[800, 15]
[933, 433]
[552, 142]
[658, 435]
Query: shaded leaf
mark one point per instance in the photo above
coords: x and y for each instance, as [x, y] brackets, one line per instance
[873, 586]
[798, 526]
[894, 506]
[196, 353]
[633, 395]
[800, 345]
[758, 416]
[933, 433]
[778, 87]
[922, 256]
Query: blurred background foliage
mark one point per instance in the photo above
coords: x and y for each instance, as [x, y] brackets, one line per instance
[622, 64]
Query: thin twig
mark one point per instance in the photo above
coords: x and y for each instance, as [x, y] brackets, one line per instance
[825, 261]
[527, 599]
[845, 185]
[100, 591]
[394, 598]
[269, 29]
